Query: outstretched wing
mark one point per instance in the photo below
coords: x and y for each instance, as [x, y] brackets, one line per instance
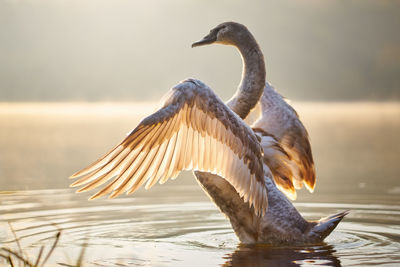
[287, 150]
[194, 130]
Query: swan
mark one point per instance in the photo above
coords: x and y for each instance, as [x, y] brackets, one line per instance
[249, 172]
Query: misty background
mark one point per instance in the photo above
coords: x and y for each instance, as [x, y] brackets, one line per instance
[60, 50]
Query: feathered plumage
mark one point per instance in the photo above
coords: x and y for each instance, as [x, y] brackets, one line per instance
[244, 170]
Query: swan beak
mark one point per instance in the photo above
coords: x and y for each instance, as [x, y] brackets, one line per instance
[205, 41]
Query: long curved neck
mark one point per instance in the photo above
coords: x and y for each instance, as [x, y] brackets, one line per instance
[253, 77]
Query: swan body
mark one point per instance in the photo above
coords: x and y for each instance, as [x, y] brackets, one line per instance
[245, 170]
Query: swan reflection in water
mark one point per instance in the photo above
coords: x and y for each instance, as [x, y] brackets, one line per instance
[267, 255]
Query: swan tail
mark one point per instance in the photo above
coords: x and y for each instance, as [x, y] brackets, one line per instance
[325, 226]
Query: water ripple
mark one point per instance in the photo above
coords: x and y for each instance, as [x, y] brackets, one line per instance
[141, 231]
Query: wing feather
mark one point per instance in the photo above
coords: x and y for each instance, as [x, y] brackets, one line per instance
[195, 151]
[165, 155]
[201, 151]
[179, 161]
[100, 162]
[214, 153]
[189, 149]
[226, 161]
[129, 172]
[162, 175]
[173, 153]
[156, 164]
[136, 163]
[177, 158]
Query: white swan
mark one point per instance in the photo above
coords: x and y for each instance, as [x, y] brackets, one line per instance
[239, 167]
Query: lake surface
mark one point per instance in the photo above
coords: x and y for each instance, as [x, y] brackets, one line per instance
[356, 149]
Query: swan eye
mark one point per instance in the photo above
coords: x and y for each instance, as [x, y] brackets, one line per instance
[221, 27]
[217, 30]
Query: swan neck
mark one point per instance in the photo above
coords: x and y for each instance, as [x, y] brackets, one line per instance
[253, 78]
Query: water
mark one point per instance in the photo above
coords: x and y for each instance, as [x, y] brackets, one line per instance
[356, 150]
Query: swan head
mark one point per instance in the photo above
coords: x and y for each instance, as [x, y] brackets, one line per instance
[227, 33]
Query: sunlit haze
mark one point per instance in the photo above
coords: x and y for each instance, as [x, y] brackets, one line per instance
[136, 50]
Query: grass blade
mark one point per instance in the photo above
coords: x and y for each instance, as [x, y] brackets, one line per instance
[52, 248]
[39, 256]
[18, 256]
[21, 252]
